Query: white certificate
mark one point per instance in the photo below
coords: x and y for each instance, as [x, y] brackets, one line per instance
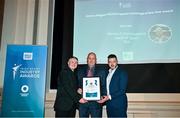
[91, 88]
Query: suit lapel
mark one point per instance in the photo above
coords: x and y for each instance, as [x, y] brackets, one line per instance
[113, 78]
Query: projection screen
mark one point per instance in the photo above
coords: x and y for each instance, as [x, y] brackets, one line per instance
[137, 31]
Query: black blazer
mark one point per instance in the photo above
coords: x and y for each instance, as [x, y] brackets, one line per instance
[67, 96]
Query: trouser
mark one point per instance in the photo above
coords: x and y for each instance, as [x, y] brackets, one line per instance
[90, 108]
[118, 113]
[64, 114]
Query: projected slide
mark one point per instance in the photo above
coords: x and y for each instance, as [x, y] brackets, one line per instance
[137, 31]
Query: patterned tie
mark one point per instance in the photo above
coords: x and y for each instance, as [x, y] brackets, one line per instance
[89, 73]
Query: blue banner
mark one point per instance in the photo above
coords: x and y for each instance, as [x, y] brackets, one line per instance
[24, 81]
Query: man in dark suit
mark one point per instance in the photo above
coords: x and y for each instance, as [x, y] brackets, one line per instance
[92, 108]
[116, 84]
[67, 97]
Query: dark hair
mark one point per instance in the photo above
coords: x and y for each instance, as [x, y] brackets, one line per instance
[112, 56]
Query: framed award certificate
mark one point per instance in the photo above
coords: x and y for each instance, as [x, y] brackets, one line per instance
[91, 88]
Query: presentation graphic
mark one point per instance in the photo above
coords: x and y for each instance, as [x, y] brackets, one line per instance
[137, 31]
[24, 81]
[160, 33]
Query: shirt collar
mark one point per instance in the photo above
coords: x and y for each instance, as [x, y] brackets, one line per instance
[112, 70]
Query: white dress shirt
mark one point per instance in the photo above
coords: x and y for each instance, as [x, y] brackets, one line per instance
[108, 80]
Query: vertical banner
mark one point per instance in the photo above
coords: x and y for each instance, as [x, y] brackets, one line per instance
[24, 81]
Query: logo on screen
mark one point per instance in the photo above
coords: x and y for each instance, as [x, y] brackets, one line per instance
[160, 33]
[27, 56]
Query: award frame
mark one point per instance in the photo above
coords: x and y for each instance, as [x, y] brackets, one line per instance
[91, 88]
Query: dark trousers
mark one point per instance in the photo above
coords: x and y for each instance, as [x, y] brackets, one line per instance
[94, 110]
[118, 113]
[70, 113]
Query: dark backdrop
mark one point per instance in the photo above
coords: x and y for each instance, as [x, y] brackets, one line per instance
[143, 78]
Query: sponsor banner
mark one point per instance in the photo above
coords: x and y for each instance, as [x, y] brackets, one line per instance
[24, 81]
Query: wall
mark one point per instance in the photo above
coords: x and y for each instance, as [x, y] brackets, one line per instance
[139, 105]
[27, 22]
[1, 17]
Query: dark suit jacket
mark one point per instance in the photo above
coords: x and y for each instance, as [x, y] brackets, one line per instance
[98, 72]
[67, 96]
[117, 89]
